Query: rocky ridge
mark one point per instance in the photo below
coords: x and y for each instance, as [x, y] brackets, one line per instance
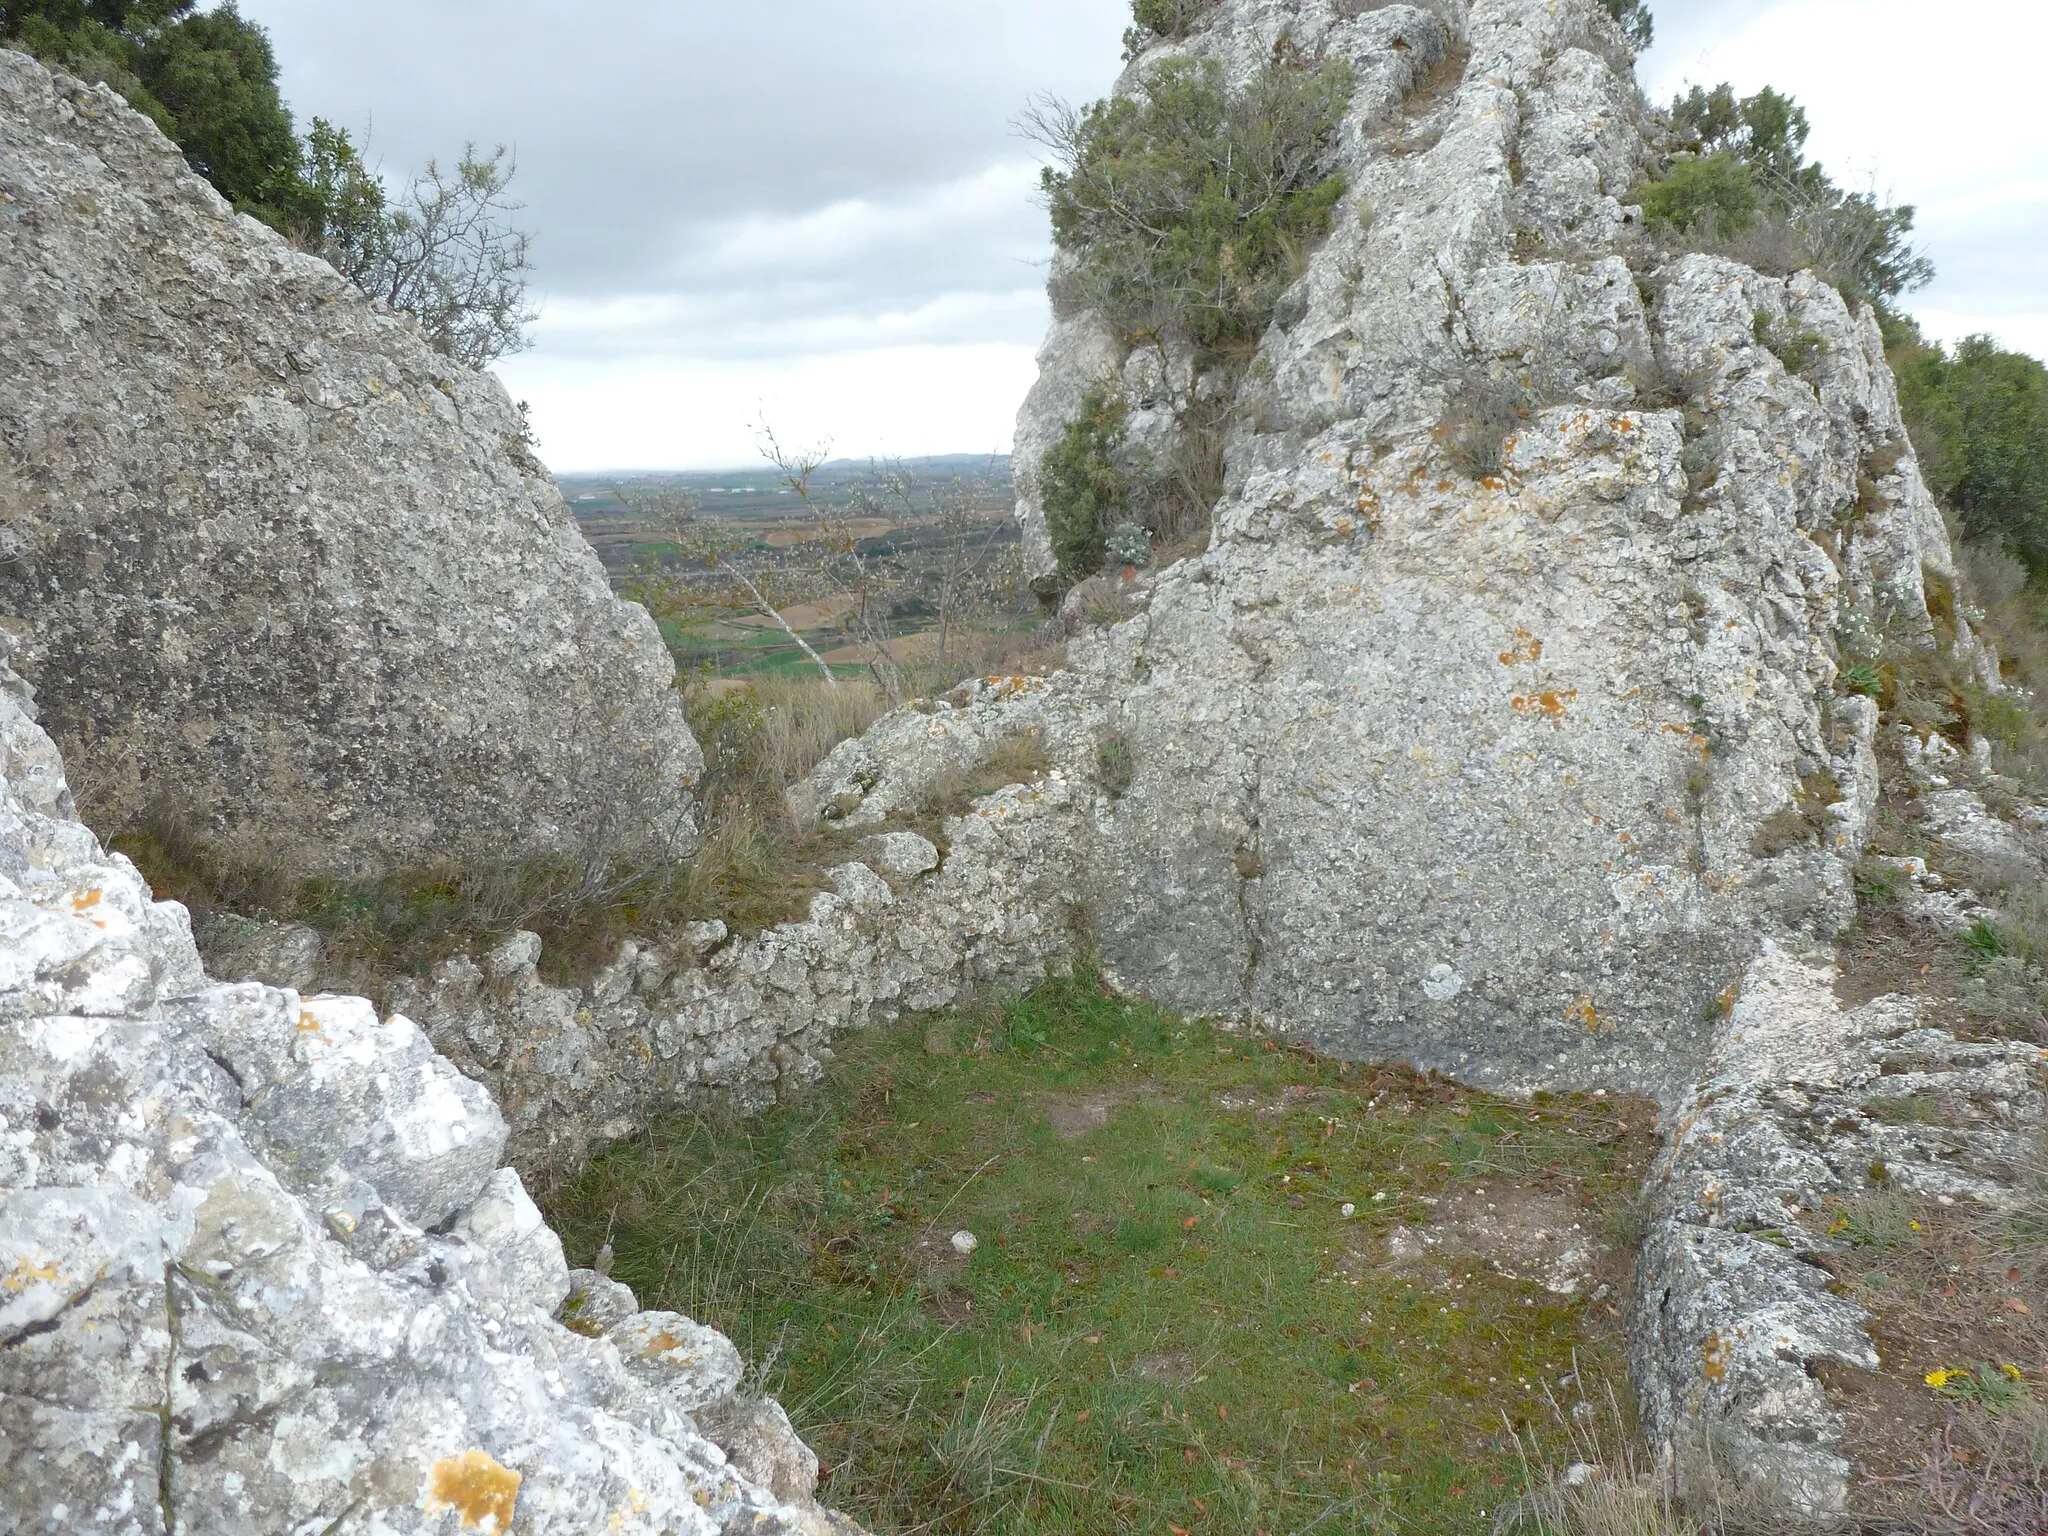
[282, 572]
[715, 1020]
[1526, 776]
[1540, 778]
[1736, 1318]
[1474, 772]
[260, 1270]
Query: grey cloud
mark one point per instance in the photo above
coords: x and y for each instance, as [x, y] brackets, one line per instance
[643, 126]
[727, 181]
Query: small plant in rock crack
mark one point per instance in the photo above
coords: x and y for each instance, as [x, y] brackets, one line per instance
[1987, 1386]
[1863, 677]
[1877, 883]
[1985, 940]
[1127, 544]
[1114, 766]
[1084, 483]
[1794, 346]
[1876, 1220]
[1480, 414]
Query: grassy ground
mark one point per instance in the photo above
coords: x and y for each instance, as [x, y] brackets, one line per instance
[1169, 1324]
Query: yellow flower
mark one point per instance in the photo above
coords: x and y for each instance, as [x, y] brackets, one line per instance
[1916, 1226]
[2011, 1372]
[1940, 1379]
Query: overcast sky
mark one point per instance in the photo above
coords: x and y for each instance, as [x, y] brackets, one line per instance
[816, 211]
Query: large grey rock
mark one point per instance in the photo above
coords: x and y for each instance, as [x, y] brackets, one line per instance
[220, 1311]
[285, 573]
[1478, 773]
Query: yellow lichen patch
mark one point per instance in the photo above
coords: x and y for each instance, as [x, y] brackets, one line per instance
[308, 1025]
[28, 1273]
[1730, 995]
[636, 1504]
[84, 901]
[1525, 652]
[1697, 742]
[1549, 705]
[476, 1490]
[1003, 689]
[1582, 1012]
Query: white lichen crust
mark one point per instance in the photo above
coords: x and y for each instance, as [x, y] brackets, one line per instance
[260, 1272]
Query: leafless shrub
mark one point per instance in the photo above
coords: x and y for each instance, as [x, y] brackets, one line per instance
[448, 254]
[1480, 413]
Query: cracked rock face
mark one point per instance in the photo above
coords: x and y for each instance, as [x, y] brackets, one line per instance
[1482, 774]
[260, 1274]
[286, 573]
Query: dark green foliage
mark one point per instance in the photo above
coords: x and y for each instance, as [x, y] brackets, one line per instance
[1743, 177]
[1979, 417]
[1767, 131]
[208, 79]
[1191, 207]
[217, 77]
[1797, 349]
[343, 215]
[1636, 22]
[1170, 18]
[1714, 193]
[1115, 768]
[1085, 490]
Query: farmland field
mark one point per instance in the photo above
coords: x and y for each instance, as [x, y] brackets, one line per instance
[883, 518]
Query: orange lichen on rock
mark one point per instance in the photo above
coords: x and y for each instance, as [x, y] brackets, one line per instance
[1583, 1012]
[1548, 705]
[1525, 652]
[1718, 1351]
[476, 1489]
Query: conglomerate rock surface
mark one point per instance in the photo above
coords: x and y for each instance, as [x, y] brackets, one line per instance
[284, 573]
[260, 1272]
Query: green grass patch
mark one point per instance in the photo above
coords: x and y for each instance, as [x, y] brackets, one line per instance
[1168, 1321]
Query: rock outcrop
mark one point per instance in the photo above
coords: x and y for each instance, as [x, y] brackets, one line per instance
[261, 1273]
[1476, 772]
[1735, 1320]
[1536, 772]
[1524, 770]
[281, 571]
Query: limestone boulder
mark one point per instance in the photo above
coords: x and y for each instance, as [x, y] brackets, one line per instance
[259, 1272]
[283, 574]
